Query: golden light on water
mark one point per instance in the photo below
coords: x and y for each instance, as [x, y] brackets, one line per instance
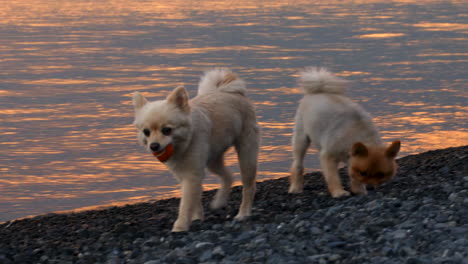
[381, 35]
[443, 27]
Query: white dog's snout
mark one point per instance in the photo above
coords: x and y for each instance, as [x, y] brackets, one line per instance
[155, 147]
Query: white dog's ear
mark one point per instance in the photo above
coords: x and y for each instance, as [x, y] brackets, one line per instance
[179, 97]
[138, 100]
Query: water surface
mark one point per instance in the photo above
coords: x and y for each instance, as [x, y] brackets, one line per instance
[68, 69]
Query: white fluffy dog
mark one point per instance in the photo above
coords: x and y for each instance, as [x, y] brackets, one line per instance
[191, 135]
[342, 131]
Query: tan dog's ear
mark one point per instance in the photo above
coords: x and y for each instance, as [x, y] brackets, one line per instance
[179, 97]
[138, 100]
[393, 149]
[359, 149]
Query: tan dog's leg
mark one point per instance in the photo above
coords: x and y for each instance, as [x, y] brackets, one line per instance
[300, 145]
[247, 153]
[330, 172]
[190, 207]
[357, 187]
[222, 195]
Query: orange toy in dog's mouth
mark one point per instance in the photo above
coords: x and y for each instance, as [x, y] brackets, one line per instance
[164, 154]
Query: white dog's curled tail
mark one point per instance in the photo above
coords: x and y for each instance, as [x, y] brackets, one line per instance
[221, 80]
[319, 80]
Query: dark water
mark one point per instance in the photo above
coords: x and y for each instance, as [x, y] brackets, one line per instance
[68, 69]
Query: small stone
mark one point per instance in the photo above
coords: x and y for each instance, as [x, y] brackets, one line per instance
[105, 236]
[407, 224]
[408, 251]
[217, 227]
[441, 217]
[176, 253]
[260, 241]
[453, 197]
[205, 256]
[386, 250]
[210, 235]
[417, 260]
[336, 244]
[138, 241]
[452, 223]
[444, 169]
[316, 257]
[446, 252]
[260, 255]
[152, 242]
[300, 224]
[315, 231]
[218, 251]
[441, 225]
[458, 255]
[152, 262]
[399, 234]
[373, 205]
[245, 236]
[333, 210]
[203, 245]
[461, 241]
[280, 226]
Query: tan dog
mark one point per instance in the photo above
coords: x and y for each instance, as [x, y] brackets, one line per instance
[342, 132]
[189, 136]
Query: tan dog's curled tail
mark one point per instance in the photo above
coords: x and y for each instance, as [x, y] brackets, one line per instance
[315, 80]
[221, 80]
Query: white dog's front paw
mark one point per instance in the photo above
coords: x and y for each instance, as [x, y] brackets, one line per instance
[295, 189]
[179, 227]
[241, 217]
[339, 193]
[198, 216]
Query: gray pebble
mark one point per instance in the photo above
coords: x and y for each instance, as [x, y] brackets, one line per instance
[399, 234]
[205, 256]
[315, 230]
[203, 245]
[152, 262]
[218, 251]
[453, 197]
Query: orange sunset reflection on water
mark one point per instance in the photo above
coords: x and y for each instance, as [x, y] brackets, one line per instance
[69, 68]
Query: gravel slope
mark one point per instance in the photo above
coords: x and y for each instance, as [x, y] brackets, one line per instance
[419, 217]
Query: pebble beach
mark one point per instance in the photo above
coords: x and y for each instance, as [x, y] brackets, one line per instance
[421, 216]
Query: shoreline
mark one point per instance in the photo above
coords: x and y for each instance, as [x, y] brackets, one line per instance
[418, 217]
[105, 206]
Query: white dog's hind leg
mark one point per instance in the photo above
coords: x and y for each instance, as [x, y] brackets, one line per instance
[330, 171]
[247, 152]
[300, 145]
[190, 203]
[222, 195]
